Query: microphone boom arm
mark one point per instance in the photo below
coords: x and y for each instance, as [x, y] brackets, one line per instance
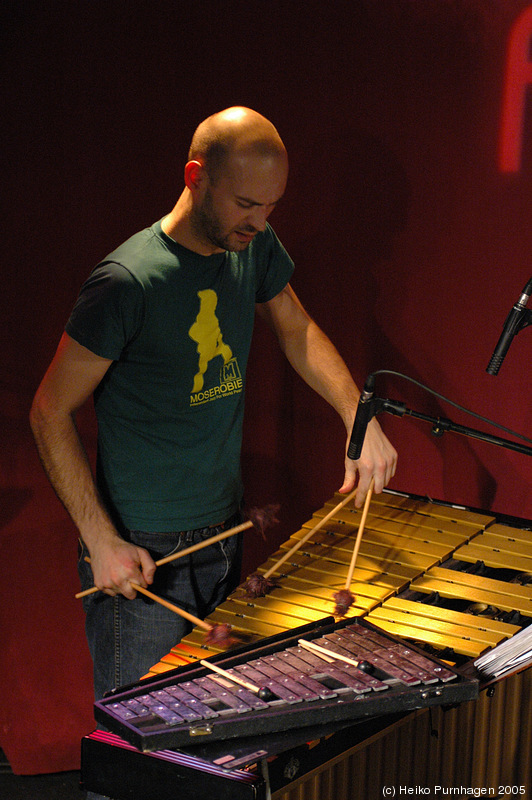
[441, 425]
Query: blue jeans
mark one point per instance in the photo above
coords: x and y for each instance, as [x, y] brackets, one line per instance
[127, 637]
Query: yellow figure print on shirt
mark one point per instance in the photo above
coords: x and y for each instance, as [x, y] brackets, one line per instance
[206, 332]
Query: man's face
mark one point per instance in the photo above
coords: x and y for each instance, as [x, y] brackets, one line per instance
[235, 208]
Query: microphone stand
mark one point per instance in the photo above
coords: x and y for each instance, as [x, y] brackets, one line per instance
[441, 424]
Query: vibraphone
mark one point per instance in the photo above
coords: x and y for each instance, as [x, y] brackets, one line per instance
[452, 581]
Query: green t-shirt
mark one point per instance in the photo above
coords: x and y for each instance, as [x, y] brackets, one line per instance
[178, 327]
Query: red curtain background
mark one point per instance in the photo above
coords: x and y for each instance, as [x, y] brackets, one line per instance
[411, 245]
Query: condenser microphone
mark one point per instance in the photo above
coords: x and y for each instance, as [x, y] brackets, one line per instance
[365, 412]
[517, 319]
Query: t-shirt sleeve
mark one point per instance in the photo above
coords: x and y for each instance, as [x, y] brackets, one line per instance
[274, 268]
[108, 312]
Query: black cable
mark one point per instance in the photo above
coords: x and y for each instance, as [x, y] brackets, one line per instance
[452, 403]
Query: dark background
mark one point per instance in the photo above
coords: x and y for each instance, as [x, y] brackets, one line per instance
[411, 245]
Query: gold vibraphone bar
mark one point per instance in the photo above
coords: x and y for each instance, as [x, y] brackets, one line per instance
[453, 581]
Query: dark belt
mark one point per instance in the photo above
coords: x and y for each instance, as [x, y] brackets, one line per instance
[212, 530]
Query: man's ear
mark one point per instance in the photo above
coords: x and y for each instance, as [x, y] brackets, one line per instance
[195, 175]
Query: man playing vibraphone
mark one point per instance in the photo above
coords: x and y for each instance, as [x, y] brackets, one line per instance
[160, 335]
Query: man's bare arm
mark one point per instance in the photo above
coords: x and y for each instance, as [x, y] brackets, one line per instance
[317, 361]
[70, 380]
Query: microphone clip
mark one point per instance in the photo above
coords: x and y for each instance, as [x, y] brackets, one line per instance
[379, 404]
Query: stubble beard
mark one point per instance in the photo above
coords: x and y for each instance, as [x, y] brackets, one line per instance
[208, 229]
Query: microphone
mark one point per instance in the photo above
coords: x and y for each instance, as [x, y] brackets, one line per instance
[365, 412]
[518, 318]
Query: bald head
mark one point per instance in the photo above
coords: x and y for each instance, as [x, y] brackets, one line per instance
[236, 131]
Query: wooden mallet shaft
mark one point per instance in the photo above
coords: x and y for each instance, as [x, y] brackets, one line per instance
[359, 535]
[185, 614]
[206, 543]
[307, 536]
[328, 655]
[172, 607]
[263, 692]
[186, 552]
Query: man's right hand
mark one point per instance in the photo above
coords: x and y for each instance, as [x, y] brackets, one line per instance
[116, 564]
